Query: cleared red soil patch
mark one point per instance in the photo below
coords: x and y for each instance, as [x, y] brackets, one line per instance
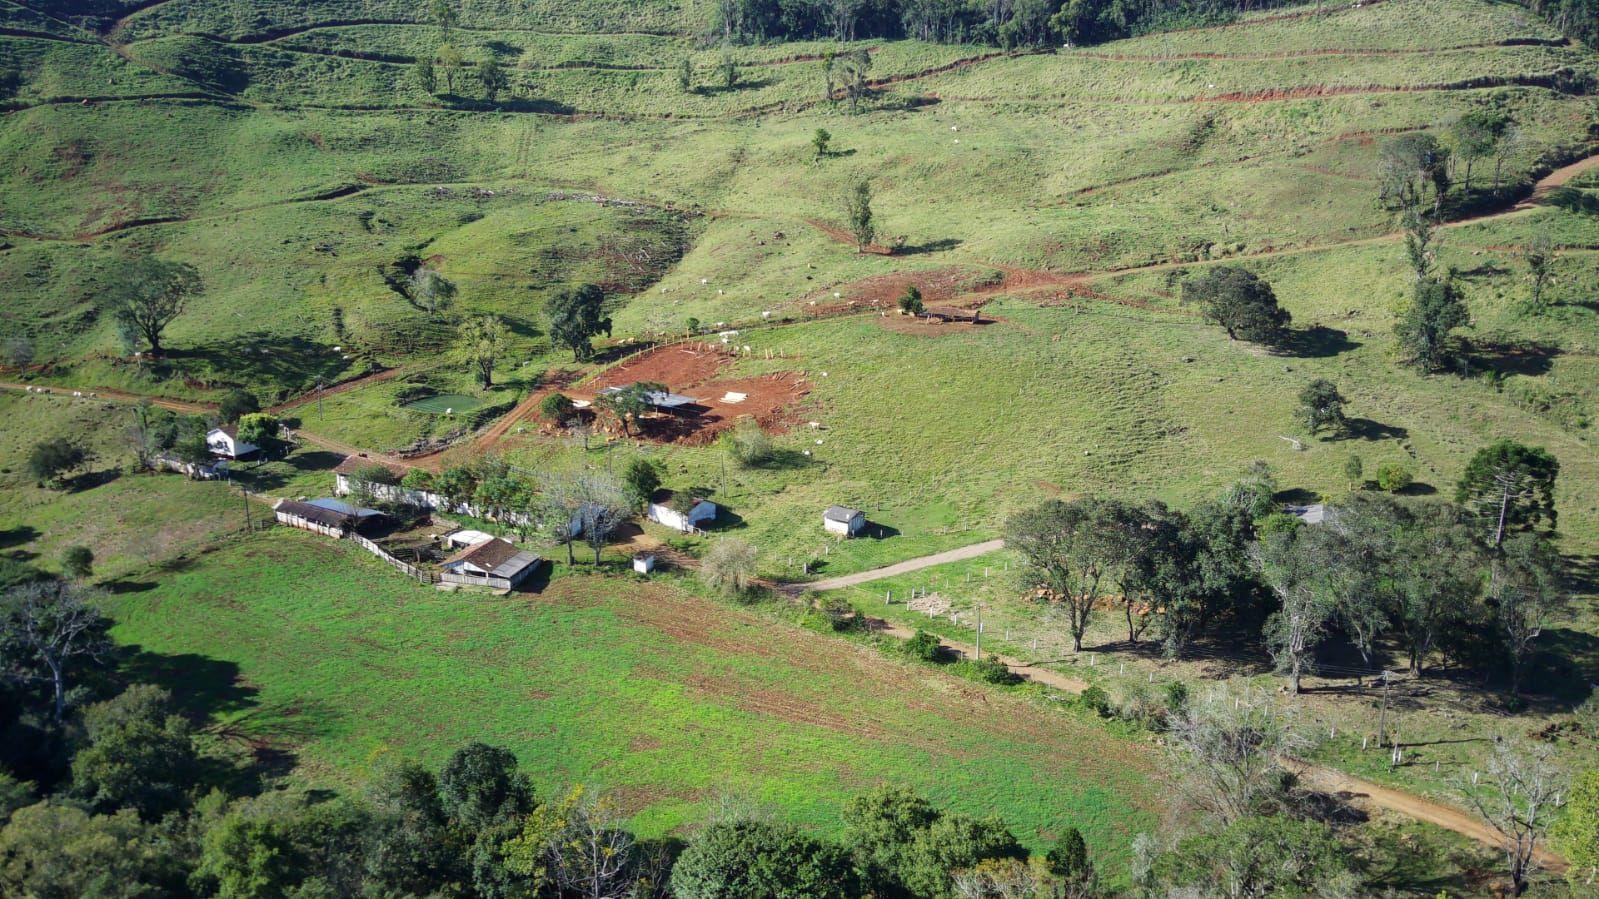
[691, 369]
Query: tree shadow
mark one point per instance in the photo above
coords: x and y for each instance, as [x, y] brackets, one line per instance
[1315, 342]
[92, 479]
[1572, 199]
[292, 365]
[1564, 664]
[1518, 358]
[931, 246]
[1366, 429]
[503, 49]
[123, 586]
[838, 154]
[521, 327]
[1484, 270]
[201, 686]
[709, 90]
[1419, 488]
[16, 536]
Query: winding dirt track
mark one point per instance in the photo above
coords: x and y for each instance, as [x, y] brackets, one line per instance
[1321, 777]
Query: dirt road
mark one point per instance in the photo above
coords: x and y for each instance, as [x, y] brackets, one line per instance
[116, 396]
[850, 580]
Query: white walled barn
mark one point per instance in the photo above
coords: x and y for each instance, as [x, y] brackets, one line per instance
[843, 520]
[225, 442]
[683, 513]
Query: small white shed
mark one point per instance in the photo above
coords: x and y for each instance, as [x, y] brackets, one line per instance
[843, 520]
[644, 563]
[465, 537]
[667, 508]
[225, 442]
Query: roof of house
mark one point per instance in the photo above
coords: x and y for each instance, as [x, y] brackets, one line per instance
[342, 507]
[663, 495]
[1314, 513]
[355, 463]
[657, 398]
[840, 513]
[232, 431]
[495, 556]
[314, 514]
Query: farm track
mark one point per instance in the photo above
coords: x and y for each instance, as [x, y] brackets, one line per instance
[1321, 777]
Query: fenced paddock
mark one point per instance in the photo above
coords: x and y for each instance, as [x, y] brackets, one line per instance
[407, 568]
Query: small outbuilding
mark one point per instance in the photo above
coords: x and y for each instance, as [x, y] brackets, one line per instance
[225, 442]
[492, 563]
[303, 515]
[644, 563]
[1313, 513]
[681, 511]
[843, 520]
[465, 537]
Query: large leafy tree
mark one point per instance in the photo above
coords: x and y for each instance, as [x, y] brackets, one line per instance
[1512, 485]
[140, 754]
[759, 860]
[1073, 551]
[1256, 856]
[575, 317]
[51, 460]
[48, 630]
[1322, 406]
[1525, 593]
[481, 340]
[858, 217]
[1436, 308]
[1240, 301]
[148, 294]
[1296, 564]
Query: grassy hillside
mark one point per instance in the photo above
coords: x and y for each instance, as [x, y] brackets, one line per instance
[662, 696]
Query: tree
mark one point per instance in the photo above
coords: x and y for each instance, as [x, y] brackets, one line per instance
[685, 75]
[140, 754]
[1322, 406]
[600, 505]
[758, 860]
[575, 318]
[491, 74]
[642, 478]
[1539, 254]
[1068, 862]
[1355, 472]
[1071, 552]
[149, 295]
[848, 70]
[1520, 803]
[77, 562]
[53, 849]
[857, 205]
[432, 291]
[580, 845]
[729, 69]
[557, 407]
[1408, 164]
[1159, 566]
[1213, 556]
[1394, 477]
[880, 827]
[409, 848]
[50, 459]
[282, 843]
[449, 59]
[1421, 241]
[1433, 571]
[1233, 750]
[820, 140]
[426, 77]
[1512, 485]
[480, 786]
[910, 302]
[631, 403]
[729, 566]
[1294, 564]
[1240, 301]
[955, 843]
[481, 340]
[1473, 135]
[1577, 831]
[444, 15]
[47, 630]
[237, 403]
[1256, 856]
[1524, 593]
[1436, 308]
[258, 427]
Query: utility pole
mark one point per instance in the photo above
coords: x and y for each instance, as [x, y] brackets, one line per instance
[245, 493]
[1382, 719]
[979, 631]
[320, 386]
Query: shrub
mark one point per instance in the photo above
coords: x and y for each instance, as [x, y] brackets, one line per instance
[992, 670]
[748, 444]
[1394, 476]
[238, 403]
[1096, 700]
[729, 566]
[840, 614]
[257, 428]
[417, 479]
[556, 407]
[923, 646]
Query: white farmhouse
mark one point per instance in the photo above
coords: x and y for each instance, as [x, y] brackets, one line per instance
[225, 442]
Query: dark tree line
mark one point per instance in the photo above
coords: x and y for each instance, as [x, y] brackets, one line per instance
[1472, 583]
[1005, 23]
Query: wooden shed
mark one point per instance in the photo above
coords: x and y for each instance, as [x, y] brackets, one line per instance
[492, 563]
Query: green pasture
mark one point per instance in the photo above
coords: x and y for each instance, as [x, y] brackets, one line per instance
[311, 646]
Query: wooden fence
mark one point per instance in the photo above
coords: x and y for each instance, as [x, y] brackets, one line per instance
[376, 550]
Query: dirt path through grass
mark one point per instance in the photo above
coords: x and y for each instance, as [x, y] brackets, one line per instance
[851, 580]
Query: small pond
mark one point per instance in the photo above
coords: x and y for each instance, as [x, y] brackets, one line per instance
[438, 403]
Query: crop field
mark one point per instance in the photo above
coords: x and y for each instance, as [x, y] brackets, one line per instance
[667, 698]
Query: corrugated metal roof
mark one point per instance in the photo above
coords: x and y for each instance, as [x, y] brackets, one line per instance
[840, 513]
